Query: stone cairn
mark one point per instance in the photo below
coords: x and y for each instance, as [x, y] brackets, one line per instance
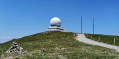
[15, 48]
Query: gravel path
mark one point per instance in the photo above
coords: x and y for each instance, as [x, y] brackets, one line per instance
[82, 38]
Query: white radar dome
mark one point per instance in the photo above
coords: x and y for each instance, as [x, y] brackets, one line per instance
[55, 22]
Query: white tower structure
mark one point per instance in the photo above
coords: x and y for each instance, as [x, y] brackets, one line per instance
[55, 24]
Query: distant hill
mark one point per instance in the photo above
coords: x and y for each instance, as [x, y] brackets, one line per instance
[5, 39]
[56, 45]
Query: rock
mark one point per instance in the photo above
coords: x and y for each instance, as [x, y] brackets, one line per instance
[15, 48]
[42, 50]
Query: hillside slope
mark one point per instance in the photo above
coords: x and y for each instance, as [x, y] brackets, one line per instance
[82, 38]
[57, 45]
[109, 39]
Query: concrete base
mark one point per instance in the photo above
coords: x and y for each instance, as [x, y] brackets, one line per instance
[55, 28]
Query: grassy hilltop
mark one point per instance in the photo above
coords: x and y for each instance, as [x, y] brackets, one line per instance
[57, 45]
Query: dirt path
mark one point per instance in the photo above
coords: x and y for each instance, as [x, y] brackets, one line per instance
[82, 38]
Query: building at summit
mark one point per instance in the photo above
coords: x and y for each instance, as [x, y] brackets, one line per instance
[55, 24]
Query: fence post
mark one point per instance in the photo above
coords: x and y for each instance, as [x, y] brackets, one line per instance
[114, 40]
[91, 36]
[98, 37]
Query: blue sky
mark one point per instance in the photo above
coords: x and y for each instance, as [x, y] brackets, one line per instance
[20, 18]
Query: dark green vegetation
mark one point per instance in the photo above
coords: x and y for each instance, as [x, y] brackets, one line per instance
[57, 45]
[109, 39]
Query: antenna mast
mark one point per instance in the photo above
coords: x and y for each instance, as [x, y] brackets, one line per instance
[93, 25]
[81, 24]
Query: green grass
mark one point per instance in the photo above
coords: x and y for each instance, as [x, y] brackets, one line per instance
[57, 45]
[109, 39]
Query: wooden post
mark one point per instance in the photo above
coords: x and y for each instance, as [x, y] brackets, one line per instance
[91, 36]
[114, 40]
[98, 37]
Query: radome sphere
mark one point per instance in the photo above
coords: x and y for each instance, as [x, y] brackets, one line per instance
[55, 21]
